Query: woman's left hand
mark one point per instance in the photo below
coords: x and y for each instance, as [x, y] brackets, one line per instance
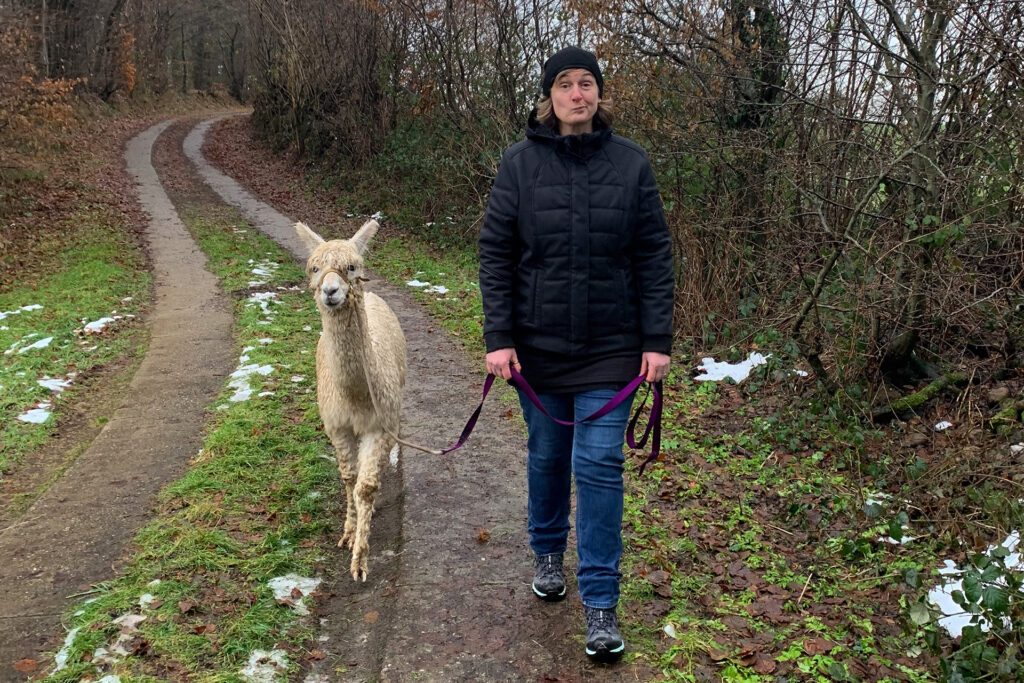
[655, 366]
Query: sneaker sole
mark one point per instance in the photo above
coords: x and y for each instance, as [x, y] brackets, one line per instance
[548, 597]
[606, 655]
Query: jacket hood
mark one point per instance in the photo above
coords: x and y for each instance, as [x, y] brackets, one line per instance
[577, 146]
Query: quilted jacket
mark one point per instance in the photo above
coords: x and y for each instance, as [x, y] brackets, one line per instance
[575, 254]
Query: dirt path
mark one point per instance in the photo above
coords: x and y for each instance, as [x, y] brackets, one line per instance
[73, 533]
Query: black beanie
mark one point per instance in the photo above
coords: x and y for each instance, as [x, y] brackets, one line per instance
[570, 58]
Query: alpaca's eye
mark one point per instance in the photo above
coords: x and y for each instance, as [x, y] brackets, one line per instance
[316, 269]
[351, 269]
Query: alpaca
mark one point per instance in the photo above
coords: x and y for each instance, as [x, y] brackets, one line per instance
[360, 372]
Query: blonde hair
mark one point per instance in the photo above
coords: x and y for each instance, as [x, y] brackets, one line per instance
[546, 113]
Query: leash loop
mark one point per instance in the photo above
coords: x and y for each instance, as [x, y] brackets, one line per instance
[653, 429]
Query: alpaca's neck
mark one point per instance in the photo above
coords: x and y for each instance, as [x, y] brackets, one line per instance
[348, 347]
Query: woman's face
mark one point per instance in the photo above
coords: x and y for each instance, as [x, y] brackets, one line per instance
[574, 98]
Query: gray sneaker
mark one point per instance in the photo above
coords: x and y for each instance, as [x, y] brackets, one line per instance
[549, 577]
[604, 642]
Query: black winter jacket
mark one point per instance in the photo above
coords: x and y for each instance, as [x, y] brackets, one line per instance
[575, 255]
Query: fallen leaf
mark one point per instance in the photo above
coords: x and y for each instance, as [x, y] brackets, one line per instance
[25, 665]
[717, 655]
[317, 655]
[371, 617]
[186, 606]
[482, 535]
[764, 665]
[817, 646]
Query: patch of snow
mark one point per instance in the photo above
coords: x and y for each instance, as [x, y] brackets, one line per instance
[377, 216]
[284, 586]
[240, 380]
[436, 289]
[38, 415]
[263, 270]
[98, 326]
[265, 341]
[54, 384]
[801, 373]
[264, 299]
[393, 457]
[22, 309]
[156, 582]
[146, 599]
[307, 328]
[313, 495]
[417, 283]
[110, 678]
[715, 371]
[943, 426]
[265, 667]
[61, 660]
[41, 344]
[941, 596]
[265, 393]
[670, 631]
[1017, 448]
[298, 378]
[313, 677]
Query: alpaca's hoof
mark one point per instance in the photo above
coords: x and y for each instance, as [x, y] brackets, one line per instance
[346, 540]
[359, 569]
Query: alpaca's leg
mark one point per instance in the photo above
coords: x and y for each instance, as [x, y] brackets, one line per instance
[346, 449]
[372, 451]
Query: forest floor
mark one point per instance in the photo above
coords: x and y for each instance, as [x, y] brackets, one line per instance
[760, 546]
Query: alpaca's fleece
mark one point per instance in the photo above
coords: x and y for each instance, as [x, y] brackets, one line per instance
[360, 372]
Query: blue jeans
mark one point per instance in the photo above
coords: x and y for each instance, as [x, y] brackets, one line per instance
[592, 452]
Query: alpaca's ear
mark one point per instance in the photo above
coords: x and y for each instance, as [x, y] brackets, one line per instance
[310, 239]
[362, 238]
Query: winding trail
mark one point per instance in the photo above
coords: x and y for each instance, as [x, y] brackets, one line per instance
[449, 602]
[71, 536]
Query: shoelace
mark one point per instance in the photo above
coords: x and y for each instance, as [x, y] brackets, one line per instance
[549, 567]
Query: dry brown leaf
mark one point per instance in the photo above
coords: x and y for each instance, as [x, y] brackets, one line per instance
[25, 665]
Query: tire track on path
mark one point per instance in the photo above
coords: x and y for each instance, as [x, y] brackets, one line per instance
[459, 609]
[75, 533]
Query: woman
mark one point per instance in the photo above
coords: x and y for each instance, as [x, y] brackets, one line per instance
[577, 283]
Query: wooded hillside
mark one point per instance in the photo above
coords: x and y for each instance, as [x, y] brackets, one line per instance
[844, 178]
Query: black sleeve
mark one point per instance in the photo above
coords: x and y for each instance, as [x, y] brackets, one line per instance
[652, 264]
[499, 255]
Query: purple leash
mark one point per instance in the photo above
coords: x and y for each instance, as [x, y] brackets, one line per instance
[653, 425]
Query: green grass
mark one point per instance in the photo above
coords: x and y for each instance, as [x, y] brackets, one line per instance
[95, 273]
[459, 311]
[252, 506]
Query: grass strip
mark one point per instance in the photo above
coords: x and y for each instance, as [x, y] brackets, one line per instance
[254, 505]
[97, 272]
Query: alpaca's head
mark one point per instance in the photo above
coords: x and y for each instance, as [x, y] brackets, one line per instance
[335, 268]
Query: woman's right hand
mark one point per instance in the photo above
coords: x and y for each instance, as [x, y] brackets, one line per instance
[499, 363]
